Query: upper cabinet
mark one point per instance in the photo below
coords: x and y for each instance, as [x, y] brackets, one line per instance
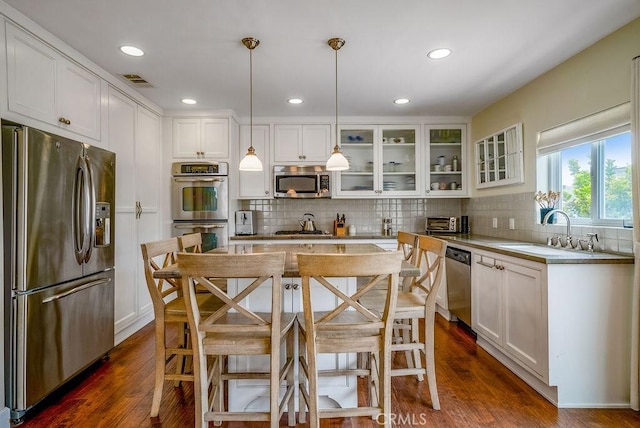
[301, 144]
[255, 184]
[46, 86]
[201, 138]
[499, 158]
[383, 161]
[446, 161]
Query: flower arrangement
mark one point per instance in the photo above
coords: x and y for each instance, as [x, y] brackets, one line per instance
[547, 200]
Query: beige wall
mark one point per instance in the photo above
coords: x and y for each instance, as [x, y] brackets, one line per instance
[593, 80]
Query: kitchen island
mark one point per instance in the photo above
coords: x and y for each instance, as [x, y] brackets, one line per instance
[291, 250]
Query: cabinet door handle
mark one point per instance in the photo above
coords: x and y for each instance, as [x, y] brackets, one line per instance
[64, 120]
[266, 192]
[295, 286]
[287, 286]
[486, 265]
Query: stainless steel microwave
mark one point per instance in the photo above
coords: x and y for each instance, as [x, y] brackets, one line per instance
[309, 181]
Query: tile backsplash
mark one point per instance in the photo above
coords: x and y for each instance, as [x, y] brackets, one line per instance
[365, 214]
[410, 214]
[524, 211]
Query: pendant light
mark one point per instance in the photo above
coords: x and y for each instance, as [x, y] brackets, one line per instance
[337, 161]
[250, 162]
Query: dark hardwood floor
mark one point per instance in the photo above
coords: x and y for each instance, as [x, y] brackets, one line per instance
[475, 391]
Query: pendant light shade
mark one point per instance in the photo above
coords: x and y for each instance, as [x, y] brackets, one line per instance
[337, 161]
[250, 162]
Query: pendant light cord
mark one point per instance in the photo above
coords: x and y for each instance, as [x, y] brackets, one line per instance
[337, 133]
[251, 98]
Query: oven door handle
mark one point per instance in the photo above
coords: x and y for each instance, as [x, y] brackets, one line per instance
[200, 226]
[191, 180]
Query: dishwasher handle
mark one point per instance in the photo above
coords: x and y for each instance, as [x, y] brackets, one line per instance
[459, 255]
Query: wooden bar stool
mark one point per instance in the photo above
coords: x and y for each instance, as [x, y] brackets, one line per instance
[419, 301]
[169, 308]
[235, 329]
[349, 328]
[190, 243]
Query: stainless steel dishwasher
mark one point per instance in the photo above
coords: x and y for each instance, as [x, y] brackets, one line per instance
[458, 264]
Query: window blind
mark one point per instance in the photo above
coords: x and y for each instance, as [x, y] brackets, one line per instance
[589, 128]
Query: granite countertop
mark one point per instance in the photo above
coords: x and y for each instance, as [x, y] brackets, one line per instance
[291, 250]
[324, 236]
[535, 251]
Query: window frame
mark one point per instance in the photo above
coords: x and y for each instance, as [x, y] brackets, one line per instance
[552, 165]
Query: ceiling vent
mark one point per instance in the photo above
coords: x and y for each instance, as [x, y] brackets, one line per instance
[137, 80]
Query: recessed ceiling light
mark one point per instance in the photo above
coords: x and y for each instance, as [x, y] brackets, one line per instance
[402, 101]
[189, 101]
[294, 101]
[439, 53]
[131, 50]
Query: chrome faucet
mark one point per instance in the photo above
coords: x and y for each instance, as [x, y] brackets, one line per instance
[555, 211]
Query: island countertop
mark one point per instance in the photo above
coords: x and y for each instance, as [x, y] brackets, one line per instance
[301, 236]
[291, 250]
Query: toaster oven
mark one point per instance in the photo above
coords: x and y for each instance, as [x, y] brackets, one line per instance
[442, 224]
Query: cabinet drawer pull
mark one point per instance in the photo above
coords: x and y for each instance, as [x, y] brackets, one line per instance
[64, 120]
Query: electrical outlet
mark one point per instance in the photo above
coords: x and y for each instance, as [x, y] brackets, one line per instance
[495, 222]
[512, 223]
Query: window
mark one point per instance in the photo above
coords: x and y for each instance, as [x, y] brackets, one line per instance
[593, 171]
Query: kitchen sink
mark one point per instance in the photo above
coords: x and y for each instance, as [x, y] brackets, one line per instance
[535, 249]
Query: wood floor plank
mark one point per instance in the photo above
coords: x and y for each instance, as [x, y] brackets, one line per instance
[475, 391]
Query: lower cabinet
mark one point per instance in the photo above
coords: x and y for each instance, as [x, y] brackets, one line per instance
[339, 391]
[509, 308]
[564, 328]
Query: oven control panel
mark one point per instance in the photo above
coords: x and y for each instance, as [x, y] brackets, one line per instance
[199, 168]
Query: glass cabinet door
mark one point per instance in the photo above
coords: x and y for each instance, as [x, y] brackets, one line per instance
[400, 146]
[446, 160]
[382, 161]
[499, 158]
[357, 144]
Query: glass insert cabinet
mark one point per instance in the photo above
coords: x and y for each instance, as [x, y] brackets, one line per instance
[446, 160]
[383, 161]
[499, 158]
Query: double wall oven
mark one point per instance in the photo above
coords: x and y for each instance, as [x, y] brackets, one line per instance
[200, 201]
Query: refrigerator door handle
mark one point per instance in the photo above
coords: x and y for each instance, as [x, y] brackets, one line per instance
[90, 221]
[78, 212]
[75, 290]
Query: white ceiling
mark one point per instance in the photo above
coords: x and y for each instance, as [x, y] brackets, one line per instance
[193, 49]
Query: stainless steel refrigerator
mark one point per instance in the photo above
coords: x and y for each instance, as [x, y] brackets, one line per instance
[58, 200]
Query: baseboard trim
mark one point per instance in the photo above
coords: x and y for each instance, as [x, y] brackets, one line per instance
[133, 327]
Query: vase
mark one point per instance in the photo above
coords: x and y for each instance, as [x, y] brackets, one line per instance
[543, 212]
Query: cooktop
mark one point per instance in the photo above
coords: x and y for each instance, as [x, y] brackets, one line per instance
[299, 232]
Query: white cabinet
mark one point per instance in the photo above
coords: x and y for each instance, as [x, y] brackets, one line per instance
[383, 161]
[563, 328]
[254, 394]
[509, 308]
[134, 135]
[202, 138]
[255, 184]
[499, 158]
[302, 144]
[46, 86]
[446, 161]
